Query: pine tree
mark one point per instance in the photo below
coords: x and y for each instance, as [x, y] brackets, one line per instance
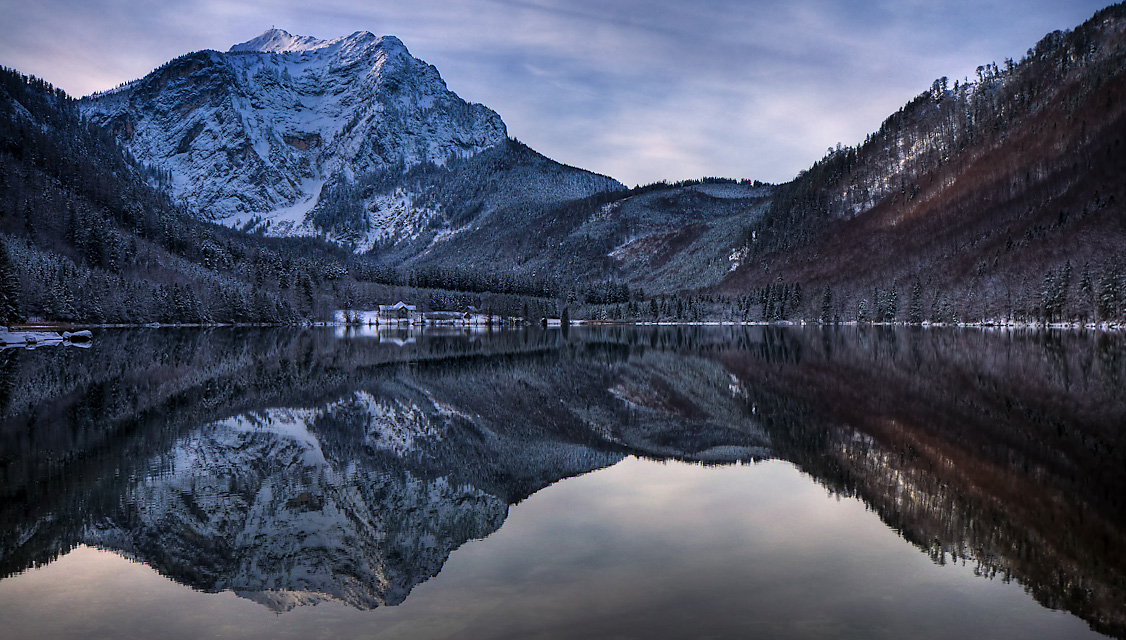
[9, 289]
[1110, 293]
[1086, 287]
[916, 313]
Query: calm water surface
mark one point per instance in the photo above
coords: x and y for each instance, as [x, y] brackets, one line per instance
[763, 482]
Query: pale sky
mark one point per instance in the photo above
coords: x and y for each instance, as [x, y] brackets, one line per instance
[639, 90]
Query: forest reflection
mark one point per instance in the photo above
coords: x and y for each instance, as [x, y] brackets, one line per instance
[1001, 450]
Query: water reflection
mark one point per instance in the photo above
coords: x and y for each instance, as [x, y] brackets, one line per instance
[298, 467]
[1003, 450]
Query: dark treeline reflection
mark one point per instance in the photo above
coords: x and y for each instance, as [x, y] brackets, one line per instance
[297, 466]
[1006, 451]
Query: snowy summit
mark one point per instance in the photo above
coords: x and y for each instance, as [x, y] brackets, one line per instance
[251, 136]
[279, 41]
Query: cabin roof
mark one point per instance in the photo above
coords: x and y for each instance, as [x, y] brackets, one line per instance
[397, 306]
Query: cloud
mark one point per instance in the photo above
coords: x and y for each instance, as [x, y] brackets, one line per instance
[638, 89]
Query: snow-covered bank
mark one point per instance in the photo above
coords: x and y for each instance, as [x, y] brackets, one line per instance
[31, 339]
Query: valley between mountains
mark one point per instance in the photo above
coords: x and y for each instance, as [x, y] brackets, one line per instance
[290, 177]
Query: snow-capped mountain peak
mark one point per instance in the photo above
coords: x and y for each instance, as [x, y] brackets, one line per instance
[252, 135]
[279, 41]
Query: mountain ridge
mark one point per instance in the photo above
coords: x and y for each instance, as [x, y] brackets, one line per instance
[275, 40]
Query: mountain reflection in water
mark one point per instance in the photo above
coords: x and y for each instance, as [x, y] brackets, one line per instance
[294, 467]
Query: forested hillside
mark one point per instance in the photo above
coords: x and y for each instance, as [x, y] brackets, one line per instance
[997, 197]
[411, 213]
[511, 210]
[88, 235]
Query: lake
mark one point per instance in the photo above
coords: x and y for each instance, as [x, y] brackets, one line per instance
[625, 482]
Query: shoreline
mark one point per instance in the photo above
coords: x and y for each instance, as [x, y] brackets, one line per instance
[553, 323]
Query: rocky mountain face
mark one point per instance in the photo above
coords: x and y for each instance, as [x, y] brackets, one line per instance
[249, 137]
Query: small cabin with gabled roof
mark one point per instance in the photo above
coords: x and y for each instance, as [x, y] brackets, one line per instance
[398, 311]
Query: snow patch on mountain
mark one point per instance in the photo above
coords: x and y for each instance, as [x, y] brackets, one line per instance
[394, 216]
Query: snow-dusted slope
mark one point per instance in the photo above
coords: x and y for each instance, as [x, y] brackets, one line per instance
[253, 134]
